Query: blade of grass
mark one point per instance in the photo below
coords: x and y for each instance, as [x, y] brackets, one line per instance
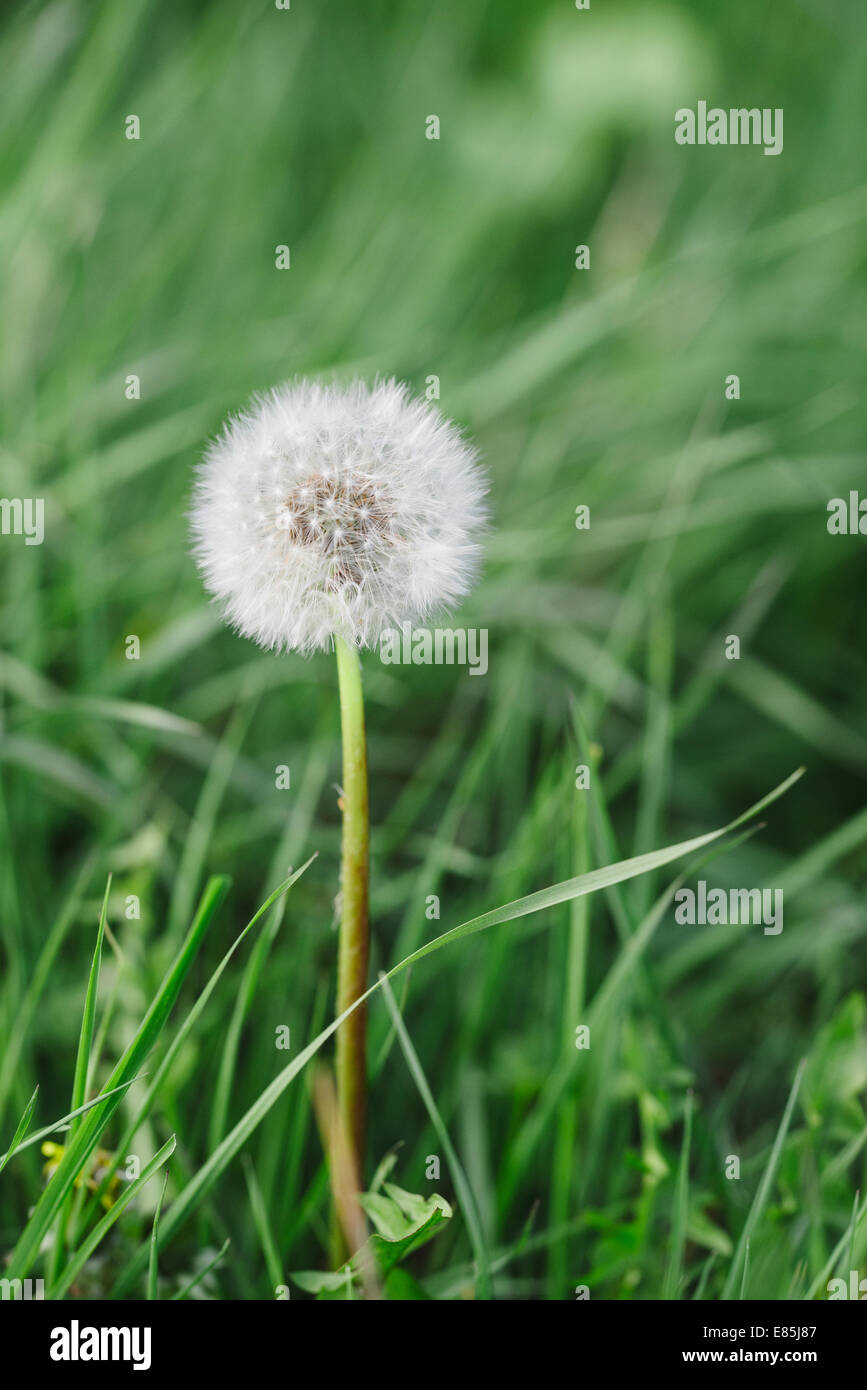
[197, 1279]
[462, 1187]
[852, 1230]
[590, 883]
[153, 1273]
[574, 994]
[704, 1276]
[85, 1041]
[21, 1130]
[674, 1267]
[763, 1191]
[263, 1227]
[20, 1026]
[80, 1077]
[63, 1123]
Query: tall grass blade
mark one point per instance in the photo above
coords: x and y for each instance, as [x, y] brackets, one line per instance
[21, 1130]
[763, 1191]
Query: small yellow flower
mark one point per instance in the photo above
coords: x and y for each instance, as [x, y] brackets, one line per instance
[103, 1164]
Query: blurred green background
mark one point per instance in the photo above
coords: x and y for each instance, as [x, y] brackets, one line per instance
[606, 387]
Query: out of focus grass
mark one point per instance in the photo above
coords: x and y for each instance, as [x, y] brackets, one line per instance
[452, 258]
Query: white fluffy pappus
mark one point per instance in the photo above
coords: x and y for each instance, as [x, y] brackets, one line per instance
[326, 510]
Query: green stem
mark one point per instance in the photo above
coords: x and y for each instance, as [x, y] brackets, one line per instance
[352, 962]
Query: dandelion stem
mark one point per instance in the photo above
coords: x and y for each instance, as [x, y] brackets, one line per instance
[351, 1066]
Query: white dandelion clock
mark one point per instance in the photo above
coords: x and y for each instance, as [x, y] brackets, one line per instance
[328, 511]
[324, 515]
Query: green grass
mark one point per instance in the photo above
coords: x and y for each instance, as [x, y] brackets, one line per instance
[603, 1167]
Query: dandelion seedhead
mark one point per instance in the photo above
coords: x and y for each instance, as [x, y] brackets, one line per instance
[330, 510]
